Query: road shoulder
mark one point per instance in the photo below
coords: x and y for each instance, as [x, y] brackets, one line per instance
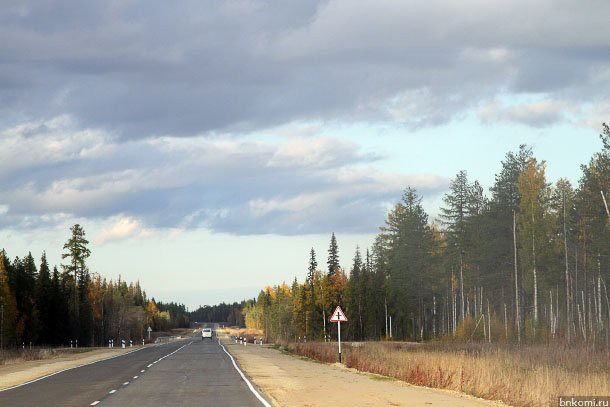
[292, 381]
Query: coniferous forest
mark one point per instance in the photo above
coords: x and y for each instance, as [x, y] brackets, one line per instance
[526, 261]
[44, 306]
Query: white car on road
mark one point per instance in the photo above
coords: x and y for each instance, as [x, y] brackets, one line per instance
[206, 333]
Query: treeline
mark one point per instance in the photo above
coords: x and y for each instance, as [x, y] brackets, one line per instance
[40, 306]
[529, 261]
[230, 314]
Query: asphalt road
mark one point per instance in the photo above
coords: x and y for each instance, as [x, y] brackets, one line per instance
[185, 373]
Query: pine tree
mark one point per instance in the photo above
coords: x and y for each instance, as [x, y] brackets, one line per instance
[78, 252]
[497, 233]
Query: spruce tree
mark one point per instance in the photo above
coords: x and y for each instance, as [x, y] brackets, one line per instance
[355, 296]
[8, 306]
[311, 269]
[333, 256]
[57, 311]
[44, 299]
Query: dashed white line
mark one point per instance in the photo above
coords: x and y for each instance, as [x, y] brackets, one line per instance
[142, 371]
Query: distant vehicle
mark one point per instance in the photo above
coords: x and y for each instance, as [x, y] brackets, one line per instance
[206, 333]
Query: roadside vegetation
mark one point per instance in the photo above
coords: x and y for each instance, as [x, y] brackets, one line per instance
[531, 375]
[504, 297]
[528, 264]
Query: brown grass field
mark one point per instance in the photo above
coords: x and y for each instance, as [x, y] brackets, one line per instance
[530, 375]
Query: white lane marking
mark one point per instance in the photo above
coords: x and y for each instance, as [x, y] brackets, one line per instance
[142, 371]
[135, 377]
[112, 391]
[94, 403]
[70, 368]
[252, 389]
[149, 365]
[125, 384]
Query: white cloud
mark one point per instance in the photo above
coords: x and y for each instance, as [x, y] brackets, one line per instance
[123, 227]
[222, 183]
[535, 114]
[313, 153]
[595, 115]
[48, 142]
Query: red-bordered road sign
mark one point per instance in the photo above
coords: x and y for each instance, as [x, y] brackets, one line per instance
[338, 315]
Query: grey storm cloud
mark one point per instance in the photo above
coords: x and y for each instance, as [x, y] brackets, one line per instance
[148, 68]
[55, 170]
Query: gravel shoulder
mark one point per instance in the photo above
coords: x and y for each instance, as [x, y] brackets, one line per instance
[22, 372]
[293, 381]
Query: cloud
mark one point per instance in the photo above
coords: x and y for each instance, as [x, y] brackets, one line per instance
[122, 228]
[595, 115]
[141, 69]
[301, 184]
[535, 114]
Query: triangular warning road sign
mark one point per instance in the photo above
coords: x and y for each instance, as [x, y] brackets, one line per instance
[338, 315]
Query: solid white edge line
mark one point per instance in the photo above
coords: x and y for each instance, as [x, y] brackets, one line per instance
[70, 368]
[252, 389]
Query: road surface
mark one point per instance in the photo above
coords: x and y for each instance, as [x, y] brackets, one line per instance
[184, 373]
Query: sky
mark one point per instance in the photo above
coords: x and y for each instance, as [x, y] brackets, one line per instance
[206, 146]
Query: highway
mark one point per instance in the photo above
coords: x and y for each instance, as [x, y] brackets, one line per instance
[183, 373]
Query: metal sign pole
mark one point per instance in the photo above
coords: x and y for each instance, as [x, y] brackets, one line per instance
[339, 331]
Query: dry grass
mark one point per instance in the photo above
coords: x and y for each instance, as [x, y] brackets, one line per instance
[532, 375]
[13, 356]
[248, 333]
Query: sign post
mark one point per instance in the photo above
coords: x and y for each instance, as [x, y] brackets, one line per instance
[338, 317]
[149, 330]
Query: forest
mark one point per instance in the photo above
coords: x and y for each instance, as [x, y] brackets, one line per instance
[529, 261]
[40, 306]
[230, 314]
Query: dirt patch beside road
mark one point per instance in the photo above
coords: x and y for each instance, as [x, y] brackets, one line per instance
[17, 373]
[293, 381]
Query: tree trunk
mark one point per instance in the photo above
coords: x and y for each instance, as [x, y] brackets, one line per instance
[462, 284]
[517, 311]
[565, 247]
